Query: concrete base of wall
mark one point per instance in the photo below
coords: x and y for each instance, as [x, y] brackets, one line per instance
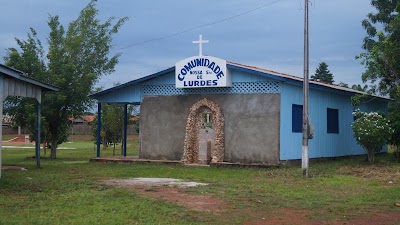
[133, 160]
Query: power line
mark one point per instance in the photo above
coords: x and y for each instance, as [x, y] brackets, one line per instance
[204, 25]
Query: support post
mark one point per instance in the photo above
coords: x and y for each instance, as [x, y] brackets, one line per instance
[125, 127]
[304, 158]
[98, 138]
[37, 143]
[1, 121]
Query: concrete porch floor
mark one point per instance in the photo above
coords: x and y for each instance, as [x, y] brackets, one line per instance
[136, 159]
[132, 159]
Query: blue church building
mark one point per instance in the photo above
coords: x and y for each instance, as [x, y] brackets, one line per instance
[208, 110]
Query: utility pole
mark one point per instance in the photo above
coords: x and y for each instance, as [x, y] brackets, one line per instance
[304, 158]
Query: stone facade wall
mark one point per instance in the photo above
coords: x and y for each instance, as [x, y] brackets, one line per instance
[251, 131]
[194, 121]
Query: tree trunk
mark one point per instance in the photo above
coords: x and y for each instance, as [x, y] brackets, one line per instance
[44, 147]
[104, 142]
[114, 146]
[53, 154]
[371, 156]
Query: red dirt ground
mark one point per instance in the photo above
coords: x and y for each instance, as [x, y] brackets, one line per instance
[202, 203]
[293, 216]
[12, 168]
[222, 209]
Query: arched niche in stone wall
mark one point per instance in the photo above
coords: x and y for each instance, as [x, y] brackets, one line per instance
[194, 121]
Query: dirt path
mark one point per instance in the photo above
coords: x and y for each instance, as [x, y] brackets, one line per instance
[294, 216]
[223, 211]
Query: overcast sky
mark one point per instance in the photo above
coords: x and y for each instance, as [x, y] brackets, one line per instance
[270, 37]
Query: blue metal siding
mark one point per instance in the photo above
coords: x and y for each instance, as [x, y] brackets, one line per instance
[168, 78]
[323, 144]
[240, 76]
[127, 94]
[374, 105]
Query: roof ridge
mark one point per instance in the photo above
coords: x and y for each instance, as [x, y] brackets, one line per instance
[335, 86]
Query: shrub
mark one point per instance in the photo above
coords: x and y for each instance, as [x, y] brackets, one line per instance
[371, 131]
[394, 140]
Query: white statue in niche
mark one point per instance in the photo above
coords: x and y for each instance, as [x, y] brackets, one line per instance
[206, 122]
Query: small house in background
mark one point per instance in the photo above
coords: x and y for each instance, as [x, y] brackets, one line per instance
[81, 125]
[88, 118]
[7, 120]
[209, 110]
[134, 119]
[85, 119]
[8, 126]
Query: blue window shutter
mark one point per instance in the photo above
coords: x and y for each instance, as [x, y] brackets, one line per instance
[332, 119]
[297, 118]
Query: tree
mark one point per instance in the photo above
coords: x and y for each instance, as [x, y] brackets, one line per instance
[382, 56]
[364, 88]
[323, 74]
[112, 127]
[75, 61]
[382, 48]
[371, 131]
[343, 84]
[359, 87]
[394, 139]
[112, 124]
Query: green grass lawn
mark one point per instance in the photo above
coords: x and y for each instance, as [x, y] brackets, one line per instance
[67, 190]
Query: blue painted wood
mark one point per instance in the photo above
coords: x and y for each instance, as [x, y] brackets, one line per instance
[131, 83]
[242, 76]
[323, 144]
[98, 138]
[37, 144]
[125, 127]
[168, 78]
[127, 94]
[245, 70]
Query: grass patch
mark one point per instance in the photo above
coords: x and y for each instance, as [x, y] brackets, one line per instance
[67, 190]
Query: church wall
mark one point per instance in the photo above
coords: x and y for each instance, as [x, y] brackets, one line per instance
[323, 144]
[251, 126]
[253, 134]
